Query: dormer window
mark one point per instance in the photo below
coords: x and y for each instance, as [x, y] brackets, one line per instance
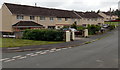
[20, 17]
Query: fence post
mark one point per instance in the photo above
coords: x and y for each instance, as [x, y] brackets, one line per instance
[72, 35]
[86, 33]
[67, 36]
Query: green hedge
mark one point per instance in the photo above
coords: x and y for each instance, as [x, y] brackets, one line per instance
[92, 29]
[43, 34]
[111, 27]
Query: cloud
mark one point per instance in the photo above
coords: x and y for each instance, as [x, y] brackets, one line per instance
[79, 5]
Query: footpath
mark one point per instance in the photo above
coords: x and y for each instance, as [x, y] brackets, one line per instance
[78, 42]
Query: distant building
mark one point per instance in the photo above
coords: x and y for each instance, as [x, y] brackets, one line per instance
[108, 16]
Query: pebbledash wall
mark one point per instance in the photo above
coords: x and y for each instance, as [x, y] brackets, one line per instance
[8, 19]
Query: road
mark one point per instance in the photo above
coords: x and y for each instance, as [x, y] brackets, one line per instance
[100, 54]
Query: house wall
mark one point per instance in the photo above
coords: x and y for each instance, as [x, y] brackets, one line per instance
[107, 17]
[91, 21]
[6, 19]
[0, 20]
[47, 22]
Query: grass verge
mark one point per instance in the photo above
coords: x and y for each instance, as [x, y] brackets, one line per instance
[10, 42]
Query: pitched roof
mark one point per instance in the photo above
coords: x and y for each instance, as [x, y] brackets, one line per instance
[27, 23]
[89, 15]
[109, 13]
[39, 11]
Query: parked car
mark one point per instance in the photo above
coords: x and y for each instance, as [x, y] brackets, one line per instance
[69, 29]
[105, 25]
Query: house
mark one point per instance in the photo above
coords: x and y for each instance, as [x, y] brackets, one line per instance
[16, 17]
[90, 18]
[108, 16]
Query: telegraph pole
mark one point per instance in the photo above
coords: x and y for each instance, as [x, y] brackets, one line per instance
[110, 15]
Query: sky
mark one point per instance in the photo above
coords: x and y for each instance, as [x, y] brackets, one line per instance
[77, 5]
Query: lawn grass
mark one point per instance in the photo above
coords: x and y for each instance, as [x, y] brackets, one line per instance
[112, 23]
[11, 42]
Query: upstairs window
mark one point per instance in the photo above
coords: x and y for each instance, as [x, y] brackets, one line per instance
[32, 17]
[42, 18]
[95, 19]
[20, 17]
[66, 19]
[59, 19]
[73, 19]
[51, 18]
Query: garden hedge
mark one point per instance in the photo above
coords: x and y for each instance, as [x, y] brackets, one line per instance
[43, 34]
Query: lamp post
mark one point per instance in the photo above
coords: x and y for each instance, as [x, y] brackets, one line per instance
[110, 15]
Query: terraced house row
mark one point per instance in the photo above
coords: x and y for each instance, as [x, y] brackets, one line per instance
[17, 17]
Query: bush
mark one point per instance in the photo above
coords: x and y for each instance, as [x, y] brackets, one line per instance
[111, 27]
[79, 28]
[43, 34]
[92, 29]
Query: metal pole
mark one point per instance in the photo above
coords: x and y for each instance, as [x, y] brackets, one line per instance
[110, 15]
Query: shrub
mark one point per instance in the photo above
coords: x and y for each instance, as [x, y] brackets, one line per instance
[74, 25]
[92, 29]
[43, 34]
[111, 27]
[79, 28]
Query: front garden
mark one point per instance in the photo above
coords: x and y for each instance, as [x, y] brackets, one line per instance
[12, 42]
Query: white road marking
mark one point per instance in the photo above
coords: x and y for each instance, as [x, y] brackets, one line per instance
[23, 57]
[53, 49]
[38, 52]
[69, 47]
[30, 54]
[99, 61]
[9, 60]
[16, 56]
[47, 50]
[64, 48]
[4, 59]
[34, 55]
[58, 49]
[43, 53]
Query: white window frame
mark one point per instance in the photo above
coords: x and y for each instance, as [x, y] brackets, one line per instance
[59, 19]
[51, 18]
[32, 17]
[20, 17]
[42, 18]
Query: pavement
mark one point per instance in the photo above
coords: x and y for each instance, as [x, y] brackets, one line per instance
[79, 41]
[102, 53]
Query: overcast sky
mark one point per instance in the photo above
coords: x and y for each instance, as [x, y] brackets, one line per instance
[78, 5]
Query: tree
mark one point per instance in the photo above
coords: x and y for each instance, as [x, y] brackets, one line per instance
[74, 25]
